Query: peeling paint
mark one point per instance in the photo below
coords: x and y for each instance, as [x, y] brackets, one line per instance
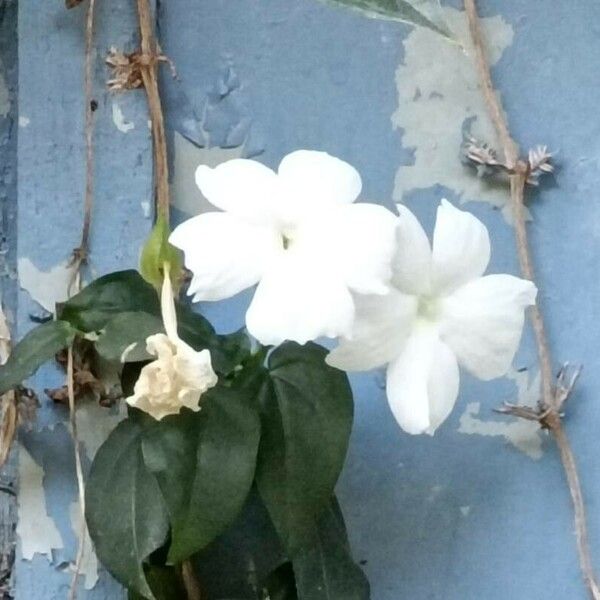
[119, 119]
[45, 287]
[4, 94]
[89, 562]
[187, 156]
[524, 435]
[24, 121]
[36, 529]
[438, 100]
[146, 208]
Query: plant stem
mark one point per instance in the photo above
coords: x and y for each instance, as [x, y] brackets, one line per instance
[80, 256]
[550, 403]
[190, 581]
[78, 470]
[149, 60]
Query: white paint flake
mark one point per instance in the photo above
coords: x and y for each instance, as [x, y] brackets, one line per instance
[438, 98]
[36, 529]
[186, 158]
[119, 119]
[89, 561]
[45, 287]
[146, 208]
[465, 511]
[524, 435]
[24, 121]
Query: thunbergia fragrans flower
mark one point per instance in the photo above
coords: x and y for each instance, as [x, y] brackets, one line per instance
[179, 375]
[442, 313]
[298, 234]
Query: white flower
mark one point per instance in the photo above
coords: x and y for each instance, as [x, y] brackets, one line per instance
[298, 235]
[443, 312]
[179, 375]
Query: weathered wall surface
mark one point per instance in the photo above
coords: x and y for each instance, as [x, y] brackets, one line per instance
[478, 511]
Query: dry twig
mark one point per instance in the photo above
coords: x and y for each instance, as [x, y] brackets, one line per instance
[80, 256]
[553, 396]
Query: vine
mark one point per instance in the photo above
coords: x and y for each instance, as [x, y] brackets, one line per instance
[553, 395]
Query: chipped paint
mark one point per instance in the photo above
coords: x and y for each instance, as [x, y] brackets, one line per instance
[438, 100]
[524, 435]
[45, 287]
[4, 94]
[36, 529]
[122, 124]
[146, 208]
[186, 157]
[24, 121]
[89, 561]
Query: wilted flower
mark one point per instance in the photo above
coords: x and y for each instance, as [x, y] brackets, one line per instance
[179, 375]
[443, 312]
[298, 235]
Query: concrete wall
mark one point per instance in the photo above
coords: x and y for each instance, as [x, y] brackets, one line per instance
[481, 509]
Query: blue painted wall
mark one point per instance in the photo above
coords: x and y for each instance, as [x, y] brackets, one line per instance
[460, 515]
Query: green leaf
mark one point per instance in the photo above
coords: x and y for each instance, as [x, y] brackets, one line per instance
[403, 11]
[204, 463]
[37, 347]
[109, 297]
[156, 252]
[325, 570]
[281, 583]
[125, 512]
[165, 583]
[306, 411]
[125, 330]
[106, 297]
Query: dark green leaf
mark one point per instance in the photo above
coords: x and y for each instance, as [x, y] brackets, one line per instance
[125, 330]
[306, 411]
[281, 583]
[37, 347]
[108, 297]
[104, 298]
[156, 252]
[125, 512]
[165, 583]
[204, 463]
[325, 570]
[403, 11]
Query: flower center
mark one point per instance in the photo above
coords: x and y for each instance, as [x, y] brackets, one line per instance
[428, 308]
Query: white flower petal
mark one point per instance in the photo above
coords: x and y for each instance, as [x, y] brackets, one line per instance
[177, 378]
[412, 261]
[381, 328]
[243, 187]
[167, 305]
[422, 383]
[225, 254]
[299, 299]
[358, 240]
[461, 248]
[317, 179]
[483, 320]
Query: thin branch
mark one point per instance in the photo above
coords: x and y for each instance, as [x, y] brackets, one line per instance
[149, 61]
[81, 253]
[552, 398]
[78, 470]
[190, 581]
[80, 256]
